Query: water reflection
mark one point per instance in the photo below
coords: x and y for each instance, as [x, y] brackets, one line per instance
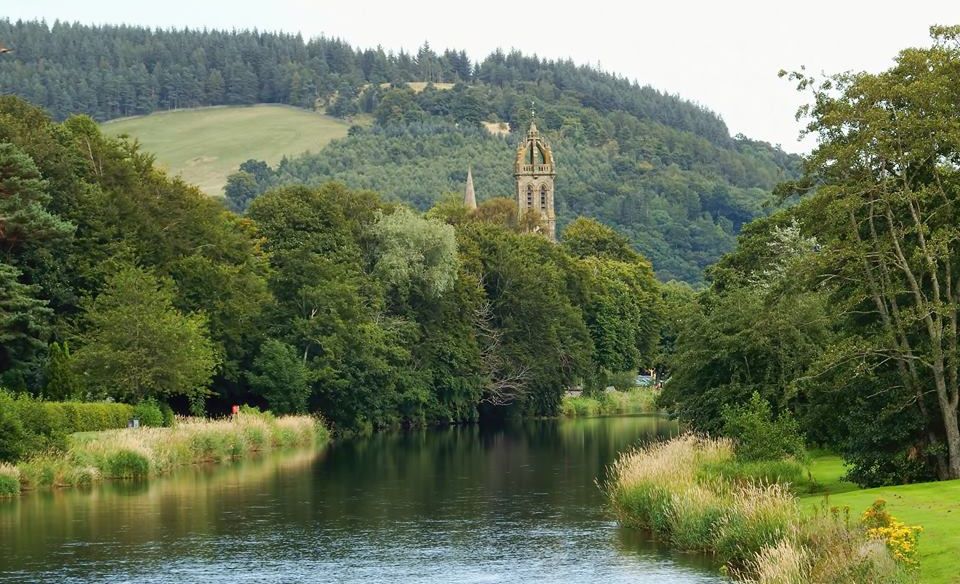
[508, 504]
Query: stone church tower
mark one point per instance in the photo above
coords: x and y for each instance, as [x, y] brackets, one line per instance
[534, 171]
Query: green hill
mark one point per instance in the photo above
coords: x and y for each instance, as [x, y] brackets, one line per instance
[204, 145]
[663, 170]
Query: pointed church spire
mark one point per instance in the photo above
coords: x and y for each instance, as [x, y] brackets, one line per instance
[469, 197]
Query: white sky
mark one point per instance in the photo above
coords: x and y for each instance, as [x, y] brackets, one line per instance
[723, 54]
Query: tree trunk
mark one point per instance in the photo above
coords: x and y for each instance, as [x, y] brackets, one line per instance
[953, 437]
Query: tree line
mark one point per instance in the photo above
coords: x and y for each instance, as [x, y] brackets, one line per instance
[120, 282]
[109, 71]
[843, 309]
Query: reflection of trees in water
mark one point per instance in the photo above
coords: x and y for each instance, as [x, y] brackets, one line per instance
[457, 471]
[459, 486]
[193, 500]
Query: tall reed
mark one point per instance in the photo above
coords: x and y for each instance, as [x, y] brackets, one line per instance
[754, 527]
[144, 452]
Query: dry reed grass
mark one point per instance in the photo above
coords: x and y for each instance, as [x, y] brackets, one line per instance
[755, 529]
[143, 452]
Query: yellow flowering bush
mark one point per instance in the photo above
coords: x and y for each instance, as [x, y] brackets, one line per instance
[901, 539]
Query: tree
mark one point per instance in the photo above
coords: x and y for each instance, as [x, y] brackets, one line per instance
[24, 323]
[136, 345]
[241, 189]
[280, 376]
[587, 237]
[23, 196]
[756, 329]
[621, 305]
[415, 251]
[61, 378]
[887, 210]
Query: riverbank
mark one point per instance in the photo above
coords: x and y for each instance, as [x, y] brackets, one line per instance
[640, 400]
[934, 506]
[145, 452]
[691, 493]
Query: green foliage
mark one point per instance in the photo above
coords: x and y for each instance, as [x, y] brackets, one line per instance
[839, 309]
[281, 377]
[12, 434]
[126, 464]
[149, 413]
[9, 481]
[760, 436]
[24, 322]
[321, 299]
[23, 202]
[588, 238]
[754, 330]
[31, 426]
[415, 251]
[633, 401]
[136, 345]
[682, 209]
[125, 212]
[61, 379]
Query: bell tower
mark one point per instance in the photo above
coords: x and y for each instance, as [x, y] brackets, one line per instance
[534, 172]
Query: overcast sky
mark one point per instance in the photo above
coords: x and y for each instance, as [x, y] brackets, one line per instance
[723, 54]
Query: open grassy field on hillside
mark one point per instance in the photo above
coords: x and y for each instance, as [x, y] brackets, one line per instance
[204, 145]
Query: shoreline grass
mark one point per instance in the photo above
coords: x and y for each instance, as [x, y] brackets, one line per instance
[640, 400]
[935, 506]
[148, 452]
[684, 492]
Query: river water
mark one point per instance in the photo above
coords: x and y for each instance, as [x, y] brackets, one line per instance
[516, 503]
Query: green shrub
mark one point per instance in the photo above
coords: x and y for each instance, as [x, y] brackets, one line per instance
[12, 435]
[209, 446]
[760, 436]
[169, 418]
[9, 480]
[126, 464]
[29, 426]
[623, 381]
[256, 438]
[44, 470]
[149, 413]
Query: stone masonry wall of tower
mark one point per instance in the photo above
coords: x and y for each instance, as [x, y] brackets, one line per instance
[534, 172]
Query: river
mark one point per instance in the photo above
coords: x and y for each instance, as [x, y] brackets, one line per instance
[516, 503]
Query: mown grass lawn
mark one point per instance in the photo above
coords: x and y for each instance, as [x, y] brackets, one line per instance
[204, 145]
[934, 506]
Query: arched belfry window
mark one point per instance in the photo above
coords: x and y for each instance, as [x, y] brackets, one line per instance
[543, 197]
[529, 196]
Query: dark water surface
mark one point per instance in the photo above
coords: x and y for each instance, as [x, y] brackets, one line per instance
[512, 504]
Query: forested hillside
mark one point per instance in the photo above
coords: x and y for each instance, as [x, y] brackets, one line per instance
[662, 170]
[680, 205]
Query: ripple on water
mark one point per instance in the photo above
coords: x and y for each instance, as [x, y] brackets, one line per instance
[522, 506]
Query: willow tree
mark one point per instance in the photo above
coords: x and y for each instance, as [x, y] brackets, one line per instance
[887, 177]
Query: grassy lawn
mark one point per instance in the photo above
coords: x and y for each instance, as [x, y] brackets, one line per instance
[935, 506]
[204, 145]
